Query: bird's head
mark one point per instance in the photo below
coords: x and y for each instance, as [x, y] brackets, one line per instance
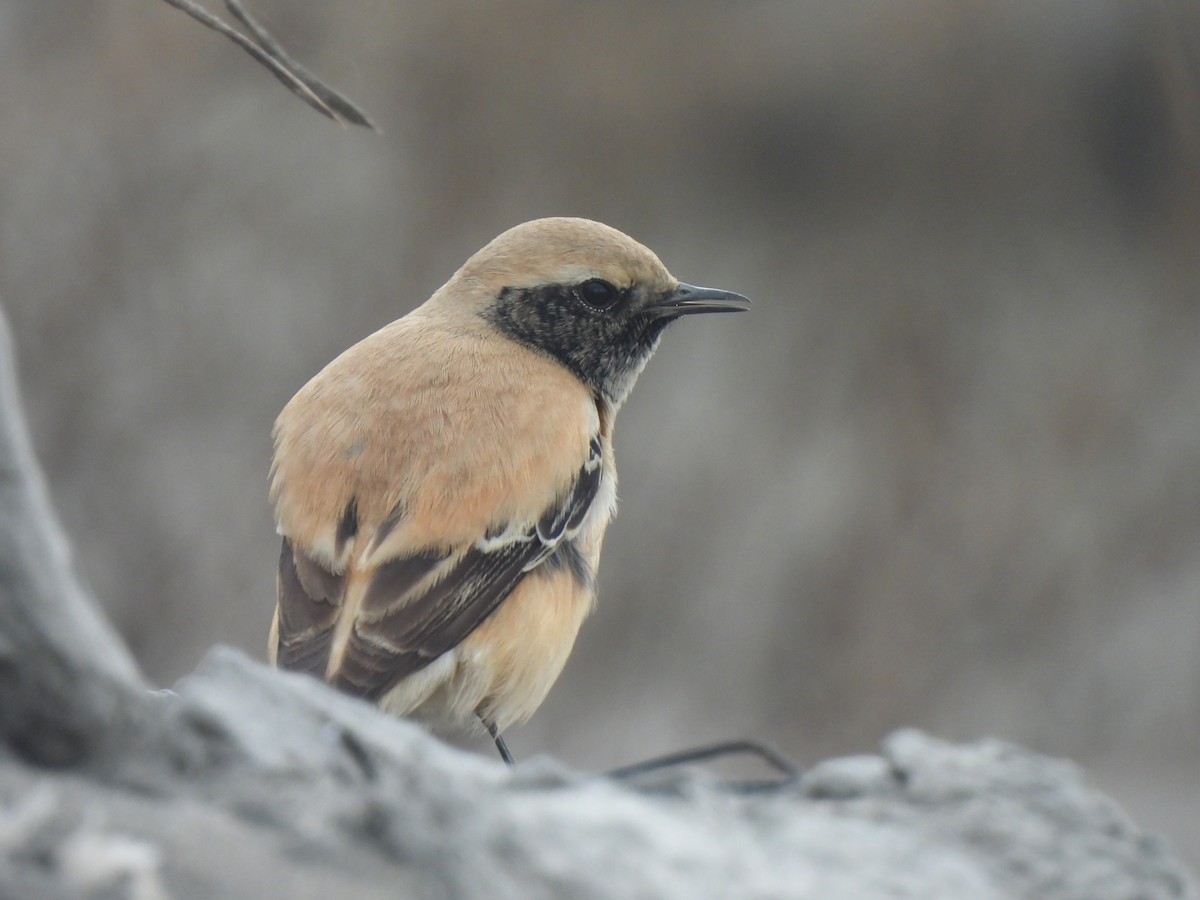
[584, 293]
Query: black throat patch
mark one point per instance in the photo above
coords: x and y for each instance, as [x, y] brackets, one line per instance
[606, 349]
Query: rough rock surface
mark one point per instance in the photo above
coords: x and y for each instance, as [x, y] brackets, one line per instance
[254, 783]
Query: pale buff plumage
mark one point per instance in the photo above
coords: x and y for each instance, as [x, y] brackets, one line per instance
[440, 431]
[374, 425]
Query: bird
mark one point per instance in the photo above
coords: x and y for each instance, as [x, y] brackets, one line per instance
[442, 488]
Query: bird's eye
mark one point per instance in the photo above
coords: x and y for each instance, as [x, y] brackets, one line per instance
[597, 293]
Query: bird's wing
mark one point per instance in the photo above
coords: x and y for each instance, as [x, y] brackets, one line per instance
[416, 607]
[309, 597]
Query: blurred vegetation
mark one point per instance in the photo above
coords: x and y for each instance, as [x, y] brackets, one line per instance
[946, 473]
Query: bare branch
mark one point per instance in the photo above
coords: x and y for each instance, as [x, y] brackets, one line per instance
[269, 53]
[332, 99]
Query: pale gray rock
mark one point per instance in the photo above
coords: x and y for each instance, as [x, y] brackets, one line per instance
[251, 782]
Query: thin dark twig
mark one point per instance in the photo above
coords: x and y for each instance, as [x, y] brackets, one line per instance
[781, 764]
[293, 84]
[321, 98]
[332, 99]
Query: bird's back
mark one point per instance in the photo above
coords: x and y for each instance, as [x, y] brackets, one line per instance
[419, 443]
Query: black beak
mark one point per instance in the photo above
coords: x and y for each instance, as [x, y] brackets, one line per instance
[687, 299]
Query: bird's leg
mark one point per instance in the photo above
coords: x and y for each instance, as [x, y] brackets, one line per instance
[783, 766]
[497, 738]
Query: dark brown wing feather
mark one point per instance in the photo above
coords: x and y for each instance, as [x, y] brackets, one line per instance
[309, 597]
[399, 633]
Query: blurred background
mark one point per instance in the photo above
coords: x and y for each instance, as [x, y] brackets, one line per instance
[945, 474]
